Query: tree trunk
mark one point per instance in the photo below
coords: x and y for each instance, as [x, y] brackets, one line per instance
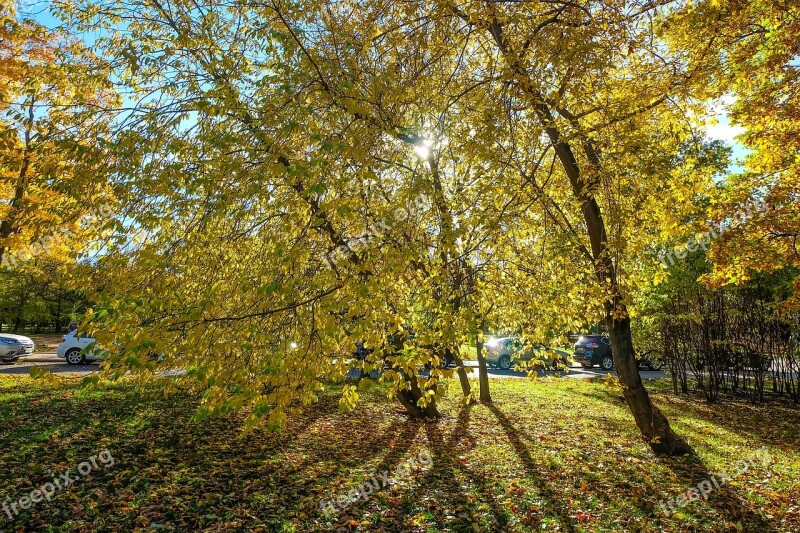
[409, 399]
[483, 373]
[57, 322]
[652, 423]
[9, 225]
[466, 388]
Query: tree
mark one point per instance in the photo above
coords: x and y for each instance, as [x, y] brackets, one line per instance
[37, 295]
[754, 68]
[275, 143]
[51, 134]
[533, 42]
[320, 191]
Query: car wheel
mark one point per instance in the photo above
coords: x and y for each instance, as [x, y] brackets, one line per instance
[504, 362]
[657, 364]
[74, 357]
[607, 362]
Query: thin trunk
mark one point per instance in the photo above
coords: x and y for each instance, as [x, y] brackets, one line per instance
[9, 226]
[57, 325]
[466, 388]
[652, 423]
[446, 235]
[483, 372]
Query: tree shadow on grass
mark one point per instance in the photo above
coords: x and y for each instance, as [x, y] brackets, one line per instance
[445, 470]
[726, 500]
[402, 437]
[397, 440]
[776, 425]
[773, 424]
[346, 467]
[534, 474]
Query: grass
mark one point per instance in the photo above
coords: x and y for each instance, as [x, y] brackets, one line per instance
[547, 455]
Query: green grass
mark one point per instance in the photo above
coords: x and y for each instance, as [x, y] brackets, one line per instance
[547, 455]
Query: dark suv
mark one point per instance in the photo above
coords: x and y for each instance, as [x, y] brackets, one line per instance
[593, 350]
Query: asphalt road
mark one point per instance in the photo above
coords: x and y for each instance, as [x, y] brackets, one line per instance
[59, 366]
[575, 372]
[53, 363]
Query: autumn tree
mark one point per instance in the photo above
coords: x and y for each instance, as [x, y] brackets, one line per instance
[52, 92]
[37, 295]
[754, 71]
[276, 149]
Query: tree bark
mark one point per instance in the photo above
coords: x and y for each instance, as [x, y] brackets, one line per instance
[652, 423]
[409, 399]
[483, 372]
[466, 388]
[9, 225]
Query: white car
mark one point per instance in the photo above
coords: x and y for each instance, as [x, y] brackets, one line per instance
[12, 347]
[72, 348]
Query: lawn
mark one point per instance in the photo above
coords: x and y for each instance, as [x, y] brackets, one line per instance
[547, 455]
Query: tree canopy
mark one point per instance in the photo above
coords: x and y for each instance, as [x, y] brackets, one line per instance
[296, 177]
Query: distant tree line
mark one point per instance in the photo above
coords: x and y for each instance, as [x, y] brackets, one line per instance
[741, 339]
[34, 300]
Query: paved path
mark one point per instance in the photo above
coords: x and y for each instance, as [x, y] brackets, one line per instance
[575, 372]
[59, 366]
[50, 360]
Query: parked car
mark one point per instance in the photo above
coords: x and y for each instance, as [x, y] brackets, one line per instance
[12, 347]
[500, 352]
[396, 343]
[651, 360]
[593, 350]
[73, 348]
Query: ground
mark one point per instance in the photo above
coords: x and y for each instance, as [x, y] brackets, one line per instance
[547, 455]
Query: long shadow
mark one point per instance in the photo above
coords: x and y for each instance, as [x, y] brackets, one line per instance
[444, 450]
[400, 445]
[690, 471]
[534, 475]
[693, 470]
[736, 416]
[769, 424]
[398, 439]
[725, 500]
